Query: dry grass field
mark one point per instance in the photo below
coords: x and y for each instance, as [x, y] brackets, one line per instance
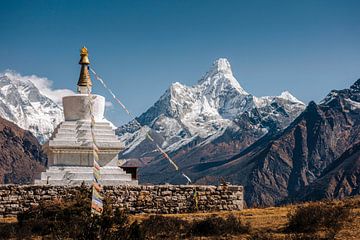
[273, 220]
[268, 222]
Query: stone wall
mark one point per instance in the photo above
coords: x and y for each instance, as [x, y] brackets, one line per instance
[133, 199]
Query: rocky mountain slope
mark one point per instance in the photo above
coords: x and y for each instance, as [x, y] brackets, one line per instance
[21, 158]
[309, 152]
[207, 122]
[340, 179]
[21, 102]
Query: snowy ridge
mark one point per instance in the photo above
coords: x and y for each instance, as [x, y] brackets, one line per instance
[22, 102]
[206, 109]
[349, 97]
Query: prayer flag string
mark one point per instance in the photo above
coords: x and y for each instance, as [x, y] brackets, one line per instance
[96, 199]
[147, 134]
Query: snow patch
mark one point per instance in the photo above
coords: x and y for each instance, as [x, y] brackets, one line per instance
[354, 105]
[288, 96]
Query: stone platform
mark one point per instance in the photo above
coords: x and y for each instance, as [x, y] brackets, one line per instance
[73, 176]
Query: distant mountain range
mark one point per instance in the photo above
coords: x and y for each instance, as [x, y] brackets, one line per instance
[278, 148]
[205, 123]
[316, 156]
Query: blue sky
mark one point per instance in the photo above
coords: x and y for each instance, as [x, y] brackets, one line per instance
[141, 47]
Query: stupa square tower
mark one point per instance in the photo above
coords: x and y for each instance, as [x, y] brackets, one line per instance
[70, 148]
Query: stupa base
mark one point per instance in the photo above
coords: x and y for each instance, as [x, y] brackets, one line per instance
[74, 175]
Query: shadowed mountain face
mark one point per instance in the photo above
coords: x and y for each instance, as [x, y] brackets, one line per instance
[340, 179]
[21, 158]
[280, 167]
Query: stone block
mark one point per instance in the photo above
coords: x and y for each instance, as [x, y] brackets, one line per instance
[166, 193]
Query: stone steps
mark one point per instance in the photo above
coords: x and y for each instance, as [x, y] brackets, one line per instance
[87, 137]
[85, 130]
[88, 143]
[85, 125]
[76, 175]
[77, 182]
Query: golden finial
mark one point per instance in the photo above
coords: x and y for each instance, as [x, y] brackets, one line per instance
[84, 83]
[84, 54]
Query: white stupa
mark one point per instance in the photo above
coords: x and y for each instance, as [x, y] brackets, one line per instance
[70, 149]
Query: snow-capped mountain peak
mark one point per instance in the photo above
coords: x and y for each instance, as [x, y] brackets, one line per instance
[205, 110]
[288, 96]
[220, 76]
[22, 102]
[221, 65]
[176, 87]
[347, 99]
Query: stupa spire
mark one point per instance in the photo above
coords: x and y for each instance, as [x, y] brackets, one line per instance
[84, 84]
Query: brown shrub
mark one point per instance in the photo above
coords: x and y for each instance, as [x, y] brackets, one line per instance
[175, 228]
[316, 217]
[352, 202]
[306, 236]
[160, 227]
[216, 226]
[261, 235]
[267, 235]
[7, 230]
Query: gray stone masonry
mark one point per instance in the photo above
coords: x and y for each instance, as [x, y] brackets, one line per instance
[133, 199]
